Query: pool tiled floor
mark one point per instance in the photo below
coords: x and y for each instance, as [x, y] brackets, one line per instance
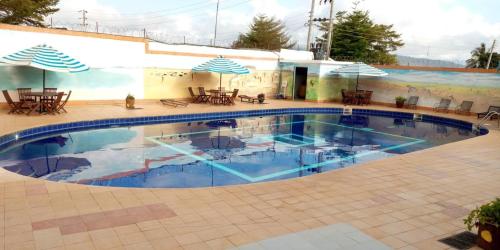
[405, 202]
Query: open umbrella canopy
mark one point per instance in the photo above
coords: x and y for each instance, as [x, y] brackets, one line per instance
[221, 65]
[45, 57]
[359, 69]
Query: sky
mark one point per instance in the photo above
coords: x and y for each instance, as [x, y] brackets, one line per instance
[436, 29]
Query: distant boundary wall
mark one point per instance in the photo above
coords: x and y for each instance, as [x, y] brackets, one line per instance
[121, 65]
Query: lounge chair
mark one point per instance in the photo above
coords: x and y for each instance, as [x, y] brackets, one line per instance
[15, 107]
[412, 102]
[249, 99]
[195, 98]
[61, 106]
[443, 105]
[174, 103]
[464, 108]
[230, 99]
[490, 109]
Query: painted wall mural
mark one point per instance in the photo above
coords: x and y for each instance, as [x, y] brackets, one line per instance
[94, 84]
[172, 83]
[481, 88]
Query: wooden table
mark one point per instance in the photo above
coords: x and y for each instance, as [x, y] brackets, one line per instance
[39, 96]
[219, 96]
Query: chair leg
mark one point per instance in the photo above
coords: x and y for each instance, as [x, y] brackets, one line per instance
[33, 107]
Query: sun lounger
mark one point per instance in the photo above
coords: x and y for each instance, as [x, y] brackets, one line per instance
[174, 103]
[443, 105]
[249, 99]
[412, 102]
[464, 108]
[490, 109]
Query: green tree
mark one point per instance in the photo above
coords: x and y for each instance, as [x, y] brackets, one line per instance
[479, 58]
[265, 33]
[28, 12]
[356, 37]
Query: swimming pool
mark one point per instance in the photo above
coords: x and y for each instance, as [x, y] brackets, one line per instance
[216, 152]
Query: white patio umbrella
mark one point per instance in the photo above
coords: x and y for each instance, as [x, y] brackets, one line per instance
[359, 69]
[46, 58]
[221, 65]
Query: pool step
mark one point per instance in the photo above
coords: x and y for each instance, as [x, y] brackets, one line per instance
[418, 117]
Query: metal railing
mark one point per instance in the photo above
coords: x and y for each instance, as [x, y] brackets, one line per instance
[486, 118]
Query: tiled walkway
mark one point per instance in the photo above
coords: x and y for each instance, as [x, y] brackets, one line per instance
[406, 202]
[333, 237]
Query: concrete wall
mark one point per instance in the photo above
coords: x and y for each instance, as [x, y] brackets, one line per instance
[121, 65]
[430, 84]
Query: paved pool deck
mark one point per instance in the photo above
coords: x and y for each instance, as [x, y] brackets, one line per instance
[404, 202]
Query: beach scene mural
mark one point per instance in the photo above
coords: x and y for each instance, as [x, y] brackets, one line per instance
[94, 84]
[481, 88]
[174, 83]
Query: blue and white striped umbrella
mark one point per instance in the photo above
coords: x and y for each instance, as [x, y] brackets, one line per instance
[359, 69]
[45, 57]
[221, 65]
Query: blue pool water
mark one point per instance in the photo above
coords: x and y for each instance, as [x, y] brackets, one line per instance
[222, 152]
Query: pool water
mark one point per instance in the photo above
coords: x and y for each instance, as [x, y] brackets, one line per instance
[222, 152]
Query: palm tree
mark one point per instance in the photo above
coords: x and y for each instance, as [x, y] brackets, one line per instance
[479, 57]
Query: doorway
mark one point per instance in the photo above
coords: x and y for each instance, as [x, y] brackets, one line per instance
[300, 83]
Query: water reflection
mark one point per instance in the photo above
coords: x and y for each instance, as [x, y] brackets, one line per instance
[223, 152]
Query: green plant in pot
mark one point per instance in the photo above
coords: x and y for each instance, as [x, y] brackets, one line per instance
[487, 220]
[400, 101]
[130, 101]
[261, 98]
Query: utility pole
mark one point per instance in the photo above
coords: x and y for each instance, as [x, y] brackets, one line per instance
[96, 27]
[491, 54]
[309, 32]
[144, 33]
[330, 31]
[51, 24]
[84, 19]
[216, 21]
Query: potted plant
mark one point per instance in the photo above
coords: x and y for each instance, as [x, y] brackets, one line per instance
[130, 101]
[487, 220]
[400, 101]
[261, 98]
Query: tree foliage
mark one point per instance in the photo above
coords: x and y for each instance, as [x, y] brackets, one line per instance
[479, 58]
[265, 33]
[356, 37]
[28, 12]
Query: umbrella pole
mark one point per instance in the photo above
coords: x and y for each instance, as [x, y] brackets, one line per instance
[357, 82]
[220, 82]
[43, 80]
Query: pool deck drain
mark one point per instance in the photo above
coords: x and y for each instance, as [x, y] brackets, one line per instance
[397, 201]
